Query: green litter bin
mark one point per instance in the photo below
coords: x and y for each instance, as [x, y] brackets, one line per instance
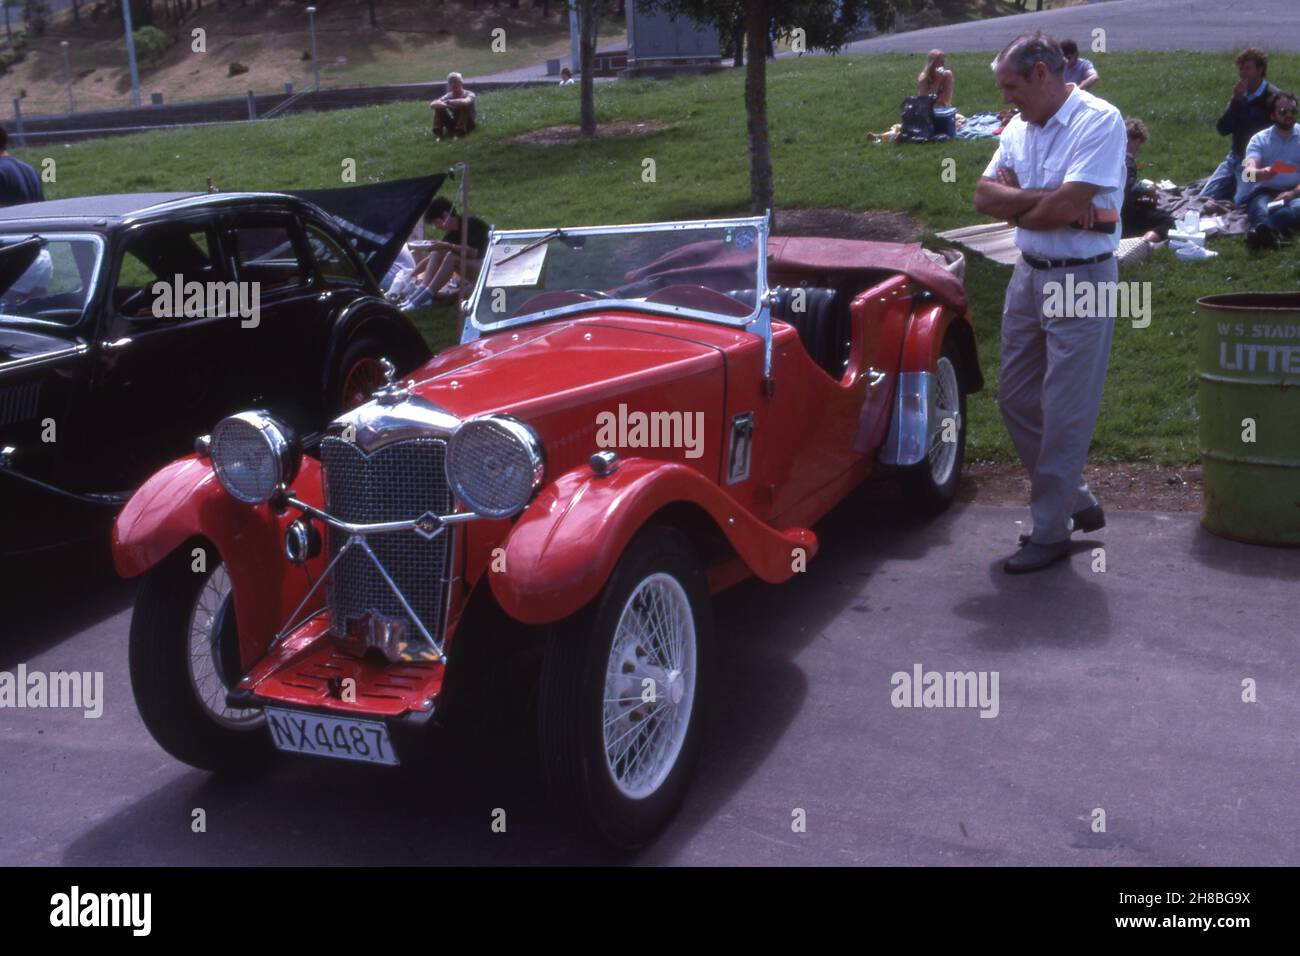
[1249, 397]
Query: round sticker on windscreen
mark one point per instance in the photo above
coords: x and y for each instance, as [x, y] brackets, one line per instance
[744, 238]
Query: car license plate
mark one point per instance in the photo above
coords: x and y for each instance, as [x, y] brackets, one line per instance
[340, 737]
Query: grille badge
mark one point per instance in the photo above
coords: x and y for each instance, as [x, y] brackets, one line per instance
[428, 525]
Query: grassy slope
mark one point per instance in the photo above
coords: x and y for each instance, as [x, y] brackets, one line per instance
[819, 109]
[416, 42]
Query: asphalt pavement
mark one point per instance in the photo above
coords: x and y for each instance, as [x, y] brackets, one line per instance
[1118, 690]
[1128, 24]
[1203, 25]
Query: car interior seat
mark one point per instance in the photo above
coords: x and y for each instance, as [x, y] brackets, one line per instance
[822, 323]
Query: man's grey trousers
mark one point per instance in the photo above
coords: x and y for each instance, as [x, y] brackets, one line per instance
[1053, 372]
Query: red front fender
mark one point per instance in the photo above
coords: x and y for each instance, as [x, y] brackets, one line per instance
[560, 553]
[183, 501]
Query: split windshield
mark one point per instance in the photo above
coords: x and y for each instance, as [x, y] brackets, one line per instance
[710, 271]
[55, 286]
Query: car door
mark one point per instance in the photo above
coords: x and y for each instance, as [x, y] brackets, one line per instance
[170, 351]
[285, 345]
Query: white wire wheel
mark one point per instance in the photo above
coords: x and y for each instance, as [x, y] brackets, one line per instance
[622, 687]
[945, 408]
[649, 686]
[210, 656]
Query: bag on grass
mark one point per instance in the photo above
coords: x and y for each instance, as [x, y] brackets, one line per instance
[917, 120]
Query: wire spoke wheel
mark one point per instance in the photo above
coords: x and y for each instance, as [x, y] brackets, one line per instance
[649, 686]
[213, 652]
[363, 377]
[624, 684]
[945, 421]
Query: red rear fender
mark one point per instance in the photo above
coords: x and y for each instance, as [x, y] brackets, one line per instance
[562, 551]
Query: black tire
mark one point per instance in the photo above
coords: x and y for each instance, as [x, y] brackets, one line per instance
[571, 699]
[160, 670]
[359, 353]
[925, 494]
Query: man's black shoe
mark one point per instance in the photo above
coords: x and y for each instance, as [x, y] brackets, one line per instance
[1035, 557]
[1092, 518]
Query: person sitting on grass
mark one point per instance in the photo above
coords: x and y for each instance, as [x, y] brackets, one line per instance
[453, 113]
[433, 272]
[1140, 216]
[1078, 70]
[1247, 112]
[1272, 163]
[566, 77]
[935, 80]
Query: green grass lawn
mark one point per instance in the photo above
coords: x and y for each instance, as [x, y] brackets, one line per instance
[819, 110]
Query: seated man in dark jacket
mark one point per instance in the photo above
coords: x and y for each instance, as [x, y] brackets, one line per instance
[1249, 111]
[1140, 216]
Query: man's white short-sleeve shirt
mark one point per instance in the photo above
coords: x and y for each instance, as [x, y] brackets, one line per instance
[1084, 142]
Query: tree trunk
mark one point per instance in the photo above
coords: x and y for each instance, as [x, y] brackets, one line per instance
[738, 34]
[76, 13]
[760, 152]
[374, 22]
[142, 14]
[587, 27]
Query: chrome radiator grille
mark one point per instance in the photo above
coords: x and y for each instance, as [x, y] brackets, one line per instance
[399, 481]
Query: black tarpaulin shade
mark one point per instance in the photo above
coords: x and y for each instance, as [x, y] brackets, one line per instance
[377, 217]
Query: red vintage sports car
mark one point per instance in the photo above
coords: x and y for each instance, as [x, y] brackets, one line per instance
[636, 418]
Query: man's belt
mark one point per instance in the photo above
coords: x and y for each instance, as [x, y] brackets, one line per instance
[1038, 263]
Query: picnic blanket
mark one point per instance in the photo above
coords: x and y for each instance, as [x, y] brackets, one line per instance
[997, 241]
[1217, 217]
[980, 125]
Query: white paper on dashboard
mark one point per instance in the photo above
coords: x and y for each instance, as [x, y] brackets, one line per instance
[522, 268]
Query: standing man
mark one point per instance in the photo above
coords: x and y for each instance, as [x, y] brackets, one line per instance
[454, 114]
[1272, 171]
[1078, 70]
[1058, 175]
[18, 180]
[1247, 113]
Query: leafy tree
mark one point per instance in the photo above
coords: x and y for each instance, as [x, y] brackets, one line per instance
[141, 14]
[151, 43]
[36, 14]
[825, 25]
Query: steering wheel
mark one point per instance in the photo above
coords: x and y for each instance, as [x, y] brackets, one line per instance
[133, 302]
[700, 297]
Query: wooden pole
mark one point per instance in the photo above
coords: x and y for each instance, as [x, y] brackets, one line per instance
[464, 243]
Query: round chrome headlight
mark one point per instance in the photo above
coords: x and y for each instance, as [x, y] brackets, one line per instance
[253, 454]
[494, 464]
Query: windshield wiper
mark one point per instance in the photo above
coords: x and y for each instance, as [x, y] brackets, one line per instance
[556, 233]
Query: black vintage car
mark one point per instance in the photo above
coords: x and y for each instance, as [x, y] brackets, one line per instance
[131, 323]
